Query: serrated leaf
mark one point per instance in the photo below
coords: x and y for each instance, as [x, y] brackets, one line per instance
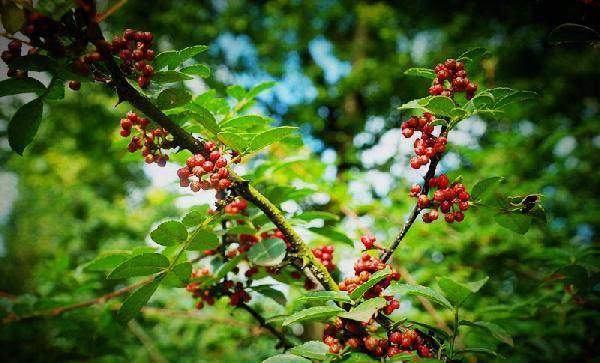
[426, 292]
[311, 349]
[333, 235]
[515, 221]
[314, 313]
[515, 97]
[106, 262]
[485, 185]
[268, 252]
[271, 293]
[169, 233]
[141, 265]
[495, 330]
[24, 125]
[256, 90]
[321, 297]
[34, 62]
[421, 72]
[271, 136]
[14, 86]
[132, 305]
[484, 351]
[364, 311]
[286, 358]
[245, 123]
[233, 140]
[168, 58]
[483, 100]
[179, 276]
[197, 70]
[311, 215]
[500, 92]
[241, 229]
[195, 217]
[169, 77]
[189, 52]
[372, 281]
[203, 239]
[204, 117]
[458, 292]
[172, 97]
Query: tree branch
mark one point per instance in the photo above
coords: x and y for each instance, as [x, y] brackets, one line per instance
[385, 256]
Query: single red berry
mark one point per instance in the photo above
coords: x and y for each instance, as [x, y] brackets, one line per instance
[183, 173]
[423, 201]
[368, 241]
[74, 85]
[415, 189]
[414, 163]
[464, 196]
[408, 132]
[149, 55]
[148, 70]
[463, 205]
[443, 181]
[208, 166]
[224, 184]
[125, 132]
[459, 216]
[449, 217]
[143, 81]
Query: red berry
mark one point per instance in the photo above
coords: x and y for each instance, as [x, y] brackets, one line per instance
[74, 85]
[408, 132]
[414, 163]
[143, 81]
[423, 201]
[463, 205]
[368, 241]
[464, 196]
[208, 166]
[443, 181]
[415, 189]
[459, 216]
[183, 173]
[449, 217]
[125, 132]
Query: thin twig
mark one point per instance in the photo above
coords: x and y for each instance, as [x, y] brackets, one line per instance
[283, 342]
[140, 333]
[110, 11]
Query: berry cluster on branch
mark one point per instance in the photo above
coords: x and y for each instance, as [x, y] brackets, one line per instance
[428, 145]
[13, 52]
[206, 172]
[451, 77]
[152, 143]
[325, 255]
[133, 49]
[451, 199]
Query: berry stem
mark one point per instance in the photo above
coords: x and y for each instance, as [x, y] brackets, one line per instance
[283, 341]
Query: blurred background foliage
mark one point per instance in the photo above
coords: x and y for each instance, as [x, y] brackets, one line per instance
[339, 71]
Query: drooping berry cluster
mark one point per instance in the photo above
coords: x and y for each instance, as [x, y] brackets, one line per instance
[363, 269]
[450, 199]
[151, 142]
[208, 295]
[325, 255]
[13, 52]
[428, 145]
[204, 173]
[133, 48]
[451, 77]
[410, 340]
[236, 207]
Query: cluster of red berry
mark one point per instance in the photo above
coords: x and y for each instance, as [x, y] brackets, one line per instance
[133, 48]
[428, 145]
[325, 255]
[235, 291]
[451, 77]
[347, 333]
[236, 207]
[13, 52]
[451, 199]
[47, 33]
[205, 173]
[363, 269]
[151, 142]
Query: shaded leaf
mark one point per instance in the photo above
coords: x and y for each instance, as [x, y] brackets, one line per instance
[515, 97]
[14, 86]
[244, 123]
[441, 105]
[203, 239]
[515, 221]
[458, 292]
[321, 297]
[172, 97]
[311, 215]
[169, 77]
[197, 70]
[132, 305]
[34, 62]
[484, 351]
[271, 136]
[484, 186]
[204, 117]
[232, 140]
[286, 358]
[256, 90]
[312, 349]
[495, 330]
[270, 292]
[573, 33]
[372, 281]
[24, 125]
[179, 276]
[333, 235]
[106, 262]
[236, 91]
[421, 72]
[426, 292]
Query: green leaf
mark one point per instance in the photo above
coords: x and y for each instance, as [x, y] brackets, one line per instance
[169, 77]
[321, 297]
[499, 92]
[236, 91]
[439, 122]
[484, 351]
[56, 89]
[472, 54]
[286, 358]
[172, 97]
[483, 100]
[256, 90]
[271, 136]
[364, 311]
[271, 293]
[426, 292]
[268, 252]
[203, 239]
[458, 292]
[515, 221]
[180, 275]
[106, 262]
[333, 235]
[484, 186]
[314, 313]
[132, 305]
[241, 229]
[227, 267]
[232, 140]
[169, 233]
[441, 105]
[356, 357]
[204, 117]
[24, 125]
[169, 58]
[195, 216]
[421, 72]
[372, 281]
[197, 70]
[34, 62]
[15, 86]
[312, 349]
[244, 123]
[573, 33]
[515, 97]
[189, 52]
[495, 330]
[141, 265]
[311, 215]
